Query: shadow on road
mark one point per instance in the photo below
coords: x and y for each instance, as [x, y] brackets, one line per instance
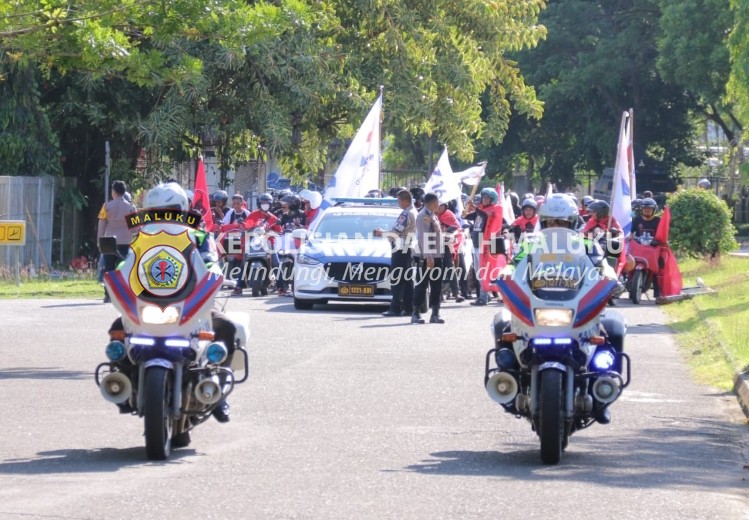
[91, 304]
[333, 309]
[43, 373]
[86, 461]
[664, 457]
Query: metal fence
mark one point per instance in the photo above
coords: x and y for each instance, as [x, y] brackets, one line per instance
[31, 199]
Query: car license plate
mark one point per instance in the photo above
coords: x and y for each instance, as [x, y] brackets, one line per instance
[347, 289]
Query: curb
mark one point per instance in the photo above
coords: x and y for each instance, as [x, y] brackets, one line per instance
[741, 389]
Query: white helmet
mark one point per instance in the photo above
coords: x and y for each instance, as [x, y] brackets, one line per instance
[559, 206]
[166, 195]
[315, 199]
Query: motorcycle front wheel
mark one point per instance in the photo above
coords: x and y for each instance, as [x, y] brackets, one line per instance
[156, 417]
[635, 291]
[551, 427]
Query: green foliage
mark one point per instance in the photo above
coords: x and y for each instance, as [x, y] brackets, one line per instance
[28, 145]
[738, 45]
[700, 224]
[598, 60]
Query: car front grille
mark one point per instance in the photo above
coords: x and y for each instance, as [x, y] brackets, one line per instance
[357, 272]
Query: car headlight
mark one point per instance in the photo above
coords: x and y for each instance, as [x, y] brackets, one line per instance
[553, 317]
[306, 260]
[153, 315]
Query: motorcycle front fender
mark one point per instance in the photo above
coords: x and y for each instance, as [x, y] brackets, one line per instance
[569, 394]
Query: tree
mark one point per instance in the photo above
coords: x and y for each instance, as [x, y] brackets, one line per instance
[693, 54]
[28, 146]
[738, 45]
[598, 60]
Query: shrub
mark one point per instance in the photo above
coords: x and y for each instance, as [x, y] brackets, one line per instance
[700, 224]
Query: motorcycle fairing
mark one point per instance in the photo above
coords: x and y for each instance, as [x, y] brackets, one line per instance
[121, 293]
[190, 296]
[594, 302]
[163, 273]
[203, 293]
[516, 300]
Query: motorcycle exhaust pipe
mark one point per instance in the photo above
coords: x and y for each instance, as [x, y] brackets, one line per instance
[502, 387]
[606, 389]
[116, 388]
[208, 390]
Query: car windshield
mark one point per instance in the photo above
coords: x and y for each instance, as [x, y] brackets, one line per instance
[353, 226]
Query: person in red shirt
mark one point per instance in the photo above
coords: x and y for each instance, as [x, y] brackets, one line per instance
[528, 219]
[263, 218]
[453, 234]
[599, 220]
[488, 251]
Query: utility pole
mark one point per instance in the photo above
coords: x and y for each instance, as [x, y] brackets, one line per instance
[106, 171]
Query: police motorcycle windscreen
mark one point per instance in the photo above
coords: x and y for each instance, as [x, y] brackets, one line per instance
[557, 358]
[164, 364]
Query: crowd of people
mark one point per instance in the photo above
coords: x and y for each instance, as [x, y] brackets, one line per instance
[448, 271]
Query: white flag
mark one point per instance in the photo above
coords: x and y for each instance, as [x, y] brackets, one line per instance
[621, 191]
[359, 171]
[507, 212]
[443, 182]
[472, 175]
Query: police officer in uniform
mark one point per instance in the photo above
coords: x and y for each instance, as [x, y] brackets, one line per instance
[428, 258]
[401, 235]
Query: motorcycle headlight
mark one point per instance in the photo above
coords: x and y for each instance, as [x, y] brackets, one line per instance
[553, 317]
[153, 315]
[307, 260]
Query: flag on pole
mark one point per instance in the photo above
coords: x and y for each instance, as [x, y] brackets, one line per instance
[443, 182]
[507, 211]
[472, 175]
[200, 201]
[621, 191]
[359, 171]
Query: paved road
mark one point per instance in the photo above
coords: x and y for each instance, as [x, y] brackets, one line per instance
[350, 415]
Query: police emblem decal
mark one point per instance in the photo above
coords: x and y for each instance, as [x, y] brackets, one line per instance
[162, 271]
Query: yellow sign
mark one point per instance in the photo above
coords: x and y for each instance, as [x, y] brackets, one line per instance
[13, 232]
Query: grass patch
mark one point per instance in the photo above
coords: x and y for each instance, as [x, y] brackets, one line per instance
[712, 328]
[53, 285]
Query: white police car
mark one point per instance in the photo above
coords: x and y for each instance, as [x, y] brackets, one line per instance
[342, 260]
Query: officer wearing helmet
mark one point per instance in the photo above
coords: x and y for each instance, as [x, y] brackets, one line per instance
[647, 222]
[560, 211]
[171, 196]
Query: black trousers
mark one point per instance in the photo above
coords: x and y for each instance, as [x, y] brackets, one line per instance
[431, 278]
[401, 282]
